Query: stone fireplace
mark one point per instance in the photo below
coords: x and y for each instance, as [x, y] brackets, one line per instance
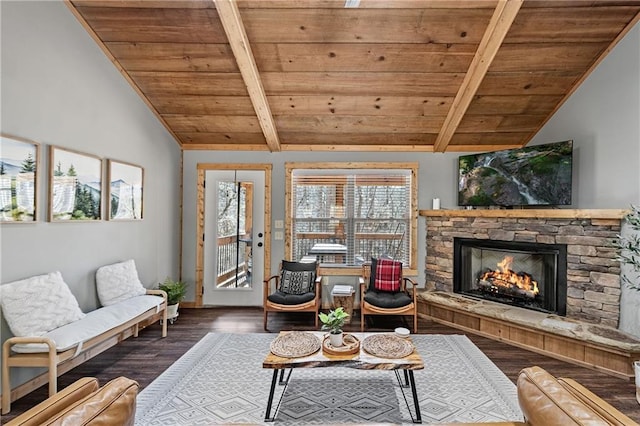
[527, 275]
[587, 335]
[592, 272]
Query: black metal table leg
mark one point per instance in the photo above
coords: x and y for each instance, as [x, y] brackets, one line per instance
[282, 382]
[409, 382]
[267, 416]
[416, 403]
[403, 383]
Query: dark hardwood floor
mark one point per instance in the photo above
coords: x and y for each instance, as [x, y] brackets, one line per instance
[145, 357]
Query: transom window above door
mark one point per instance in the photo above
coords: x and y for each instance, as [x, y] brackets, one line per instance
[342, 214]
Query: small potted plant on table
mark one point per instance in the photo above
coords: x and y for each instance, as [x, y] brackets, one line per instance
[176, 291]
[334, 321]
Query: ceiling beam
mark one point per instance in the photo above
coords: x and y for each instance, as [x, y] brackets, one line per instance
[234, 28]
[503, 16]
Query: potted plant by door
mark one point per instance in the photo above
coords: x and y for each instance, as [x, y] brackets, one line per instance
[334, 321]
[176, 291]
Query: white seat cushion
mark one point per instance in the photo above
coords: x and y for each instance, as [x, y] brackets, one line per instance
[93, 324]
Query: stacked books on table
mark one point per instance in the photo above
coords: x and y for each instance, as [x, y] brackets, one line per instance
[340, 289]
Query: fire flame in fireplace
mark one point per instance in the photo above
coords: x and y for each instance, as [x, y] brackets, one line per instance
[504, 280]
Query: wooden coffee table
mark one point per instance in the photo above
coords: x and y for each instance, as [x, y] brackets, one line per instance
[360, 360]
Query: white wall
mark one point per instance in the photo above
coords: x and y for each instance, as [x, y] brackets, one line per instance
[58, 88]
[603, 119]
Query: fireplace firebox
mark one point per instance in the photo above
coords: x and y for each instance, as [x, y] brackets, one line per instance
[528, 275]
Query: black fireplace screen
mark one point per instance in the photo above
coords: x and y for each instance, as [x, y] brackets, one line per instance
[529, 275]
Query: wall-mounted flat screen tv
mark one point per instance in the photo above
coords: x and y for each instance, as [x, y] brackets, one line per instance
[536, 175]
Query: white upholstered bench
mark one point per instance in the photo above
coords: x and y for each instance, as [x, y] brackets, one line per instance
[51, 331]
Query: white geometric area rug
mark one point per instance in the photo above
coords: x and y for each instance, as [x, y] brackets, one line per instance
[221, 381]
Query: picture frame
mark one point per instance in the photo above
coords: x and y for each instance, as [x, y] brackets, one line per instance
[19, 177]
[75, 186]
[126, 187]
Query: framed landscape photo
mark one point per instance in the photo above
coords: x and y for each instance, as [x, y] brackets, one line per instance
[125, 190]
[75, 186]
[19, 159]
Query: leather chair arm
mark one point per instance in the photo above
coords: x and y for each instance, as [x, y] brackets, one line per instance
[112, 404]
[594, 402]
[545, 400]
[56, 403]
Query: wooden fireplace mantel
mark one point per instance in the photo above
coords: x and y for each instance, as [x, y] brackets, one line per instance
[606, 214]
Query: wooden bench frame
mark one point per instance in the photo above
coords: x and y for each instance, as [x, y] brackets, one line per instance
[59, 363]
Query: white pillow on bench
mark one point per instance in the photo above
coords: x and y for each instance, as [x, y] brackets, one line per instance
[118, 282]
[36, 305]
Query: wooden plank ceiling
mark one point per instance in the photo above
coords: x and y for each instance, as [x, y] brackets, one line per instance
[368, 75]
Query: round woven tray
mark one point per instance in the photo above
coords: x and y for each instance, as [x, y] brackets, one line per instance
[387, 346]
[295, 344]
[351, 345]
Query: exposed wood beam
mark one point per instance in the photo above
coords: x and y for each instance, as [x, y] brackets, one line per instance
[496, 31]
[234, 28]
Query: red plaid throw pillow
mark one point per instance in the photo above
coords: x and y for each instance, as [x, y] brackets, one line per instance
[388, 274]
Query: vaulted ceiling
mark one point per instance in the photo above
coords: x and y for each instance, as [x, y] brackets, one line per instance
[355, 75]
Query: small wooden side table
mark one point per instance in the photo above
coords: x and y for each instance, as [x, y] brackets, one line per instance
[346, 301]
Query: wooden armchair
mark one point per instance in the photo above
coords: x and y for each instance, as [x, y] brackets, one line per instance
[296, 289]
[378, 300]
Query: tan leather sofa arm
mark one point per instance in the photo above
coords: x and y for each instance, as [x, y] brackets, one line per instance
[545, 400]
[73, 393]
[603, 408]
[84, 403]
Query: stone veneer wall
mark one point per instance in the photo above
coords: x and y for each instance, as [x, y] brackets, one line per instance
[593, 273]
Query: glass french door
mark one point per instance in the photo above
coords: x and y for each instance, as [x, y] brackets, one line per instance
[234, 238]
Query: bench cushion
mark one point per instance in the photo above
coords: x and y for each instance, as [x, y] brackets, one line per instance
[93, 324]
[36, 305]
[118, 282]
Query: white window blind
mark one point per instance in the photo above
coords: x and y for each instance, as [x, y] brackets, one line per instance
[345, 217]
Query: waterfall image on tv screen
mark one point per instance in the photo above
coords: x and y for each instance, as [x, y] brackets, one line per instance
[535, 175]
